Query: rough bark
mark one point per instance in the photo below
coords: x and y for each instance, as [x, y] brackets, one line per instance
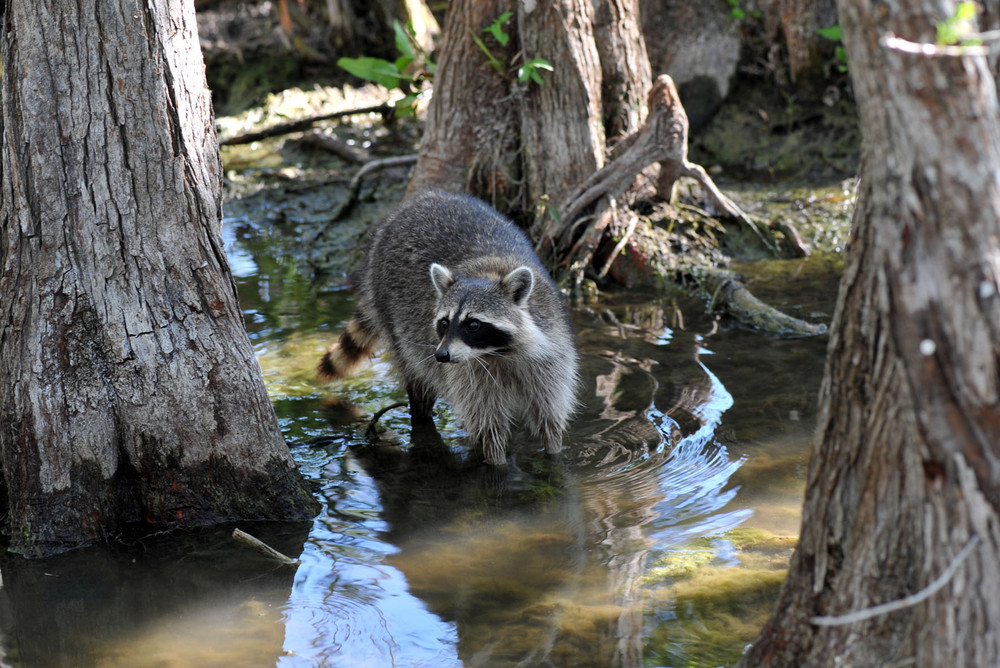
[515, 143]
[129, 389]
[799, 22]
[469, 140]
[903, 470]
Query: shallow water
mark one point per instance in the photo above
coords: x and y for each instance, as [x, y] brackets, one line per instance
[661, 538]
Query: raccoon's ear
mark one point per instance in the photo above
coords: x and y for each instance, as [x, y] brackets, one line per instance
[519, 284]
[441, 277]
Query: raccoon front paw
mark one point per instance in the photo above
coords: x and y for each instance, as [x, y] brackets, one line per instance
[495, 454]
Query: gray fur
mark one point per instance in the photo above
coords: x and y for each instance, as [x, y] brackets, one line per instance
[445, 255]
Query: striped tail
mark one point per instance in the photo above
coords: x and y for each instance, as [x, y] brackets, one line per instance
[356, 343]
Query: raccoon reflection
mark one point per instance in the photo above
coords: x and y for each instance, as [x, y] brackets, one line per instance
[469, 314]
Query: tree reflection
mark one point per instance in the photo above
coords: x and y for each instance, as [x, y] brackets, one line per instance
[172, 599]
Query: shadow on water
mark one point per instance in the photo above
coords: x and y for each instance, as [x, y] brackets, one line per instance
[659, 538]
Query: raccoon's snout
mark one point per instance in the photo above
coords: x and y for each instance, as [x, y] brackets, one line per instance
[442, 355]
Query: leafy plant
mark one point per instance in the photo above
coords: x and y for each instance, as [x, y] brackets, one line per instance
[836, 33]
[394, 74]
[530, 70]
[959, 28]
[496, 28]
[500, 35]
[737, 13]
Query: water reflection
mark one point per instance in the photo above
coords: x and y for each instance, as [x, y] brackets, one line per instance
[192, 598]
[621, 553]
[449, 564]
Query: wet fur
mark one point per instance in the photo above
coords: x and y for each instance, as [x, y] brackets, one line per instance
[529, 381]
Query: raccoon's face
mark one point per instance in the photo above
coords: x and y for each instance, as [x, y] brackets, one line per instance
[477, 316]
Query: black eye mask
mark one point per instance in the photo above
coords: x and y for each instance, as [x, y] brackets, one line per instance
[478, 334]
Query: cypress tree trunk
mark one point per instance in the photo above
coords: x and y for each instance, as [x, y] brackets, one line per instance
[513, 143]
[903, 471]
[128, 388]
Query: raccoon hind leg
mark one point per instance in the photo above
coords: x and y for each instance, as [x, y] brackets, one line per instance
[356, 342]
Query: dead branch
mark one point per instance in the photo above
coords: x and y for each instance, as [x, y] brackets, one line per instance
[337, 146]
[258, 544]
[355, 186]
[733, 298]
[300, 125]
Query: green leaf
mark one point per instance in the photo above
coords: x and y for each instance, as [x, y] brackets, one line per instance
[834, 32]
[407, 106]
[403, 43]
[497, 65]
[530, 70]
[496, 28]
[966, 11]
[373, 69]
[959, 26]
[402, 62]
[841, 57]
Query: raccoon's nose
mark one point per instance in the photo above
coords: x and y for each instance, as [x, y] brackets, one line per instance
[442, 355]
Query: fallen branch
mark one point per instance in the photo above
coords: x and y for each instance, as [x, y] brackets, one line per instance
[257, 544]
[371, 433]
[300, 125]
[732, 297]
[337, 146]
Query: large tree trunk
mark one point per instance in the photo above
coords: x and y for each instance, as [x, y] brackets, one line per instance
[903, 471]
[129, 391]
[515, 143]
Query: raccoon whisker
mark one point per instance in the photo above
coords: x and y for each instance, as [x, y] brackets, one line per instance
[419, 345]
[424, 359]
[487, 370]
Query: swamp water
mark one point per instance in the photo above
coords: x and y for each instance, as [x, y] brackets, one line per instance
[661, 538]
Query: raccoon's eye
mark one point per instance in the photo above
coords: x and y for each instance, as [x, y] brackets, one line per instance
[442, 326]
[472, 325]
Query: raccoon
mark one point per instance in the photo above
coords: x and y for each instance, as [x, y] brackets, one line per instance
[470, 315]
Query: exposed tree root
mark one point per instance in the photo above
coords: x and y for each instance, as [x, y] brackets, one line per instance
[588, 211]
[591, 213]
